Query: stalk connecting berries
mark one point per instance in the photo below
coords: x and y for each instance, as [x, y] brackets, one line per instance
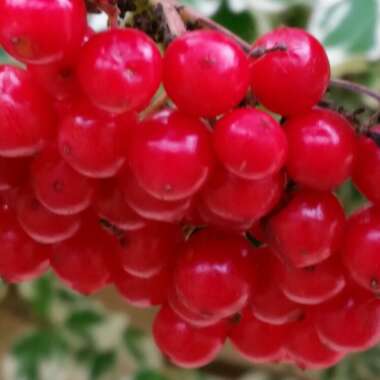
[164, 202]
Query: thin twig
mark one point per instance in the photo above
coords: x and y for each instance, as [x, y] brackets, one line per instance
[157, 105]
[355, 87]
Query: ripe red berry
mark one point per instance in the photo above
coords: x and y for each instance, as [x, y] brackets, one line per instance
[26, 116]
[309, 229]
[42, 31]
[120, 70]
[306, 349]
[57, 186]
[205, 73]
[149, 207]
[110, 205]
[187, 346]
[81, 262]
[293, 78]
[268, 303]
[250, 143]
[143, 292]
[146, 251]
[105, 155]
[21, 258]
[211, 275]
[171, 155]
[312, 285]
[41, 224]
[366, 171]
[361, 248]
[258, 341]
[13, 172]
[317, 139]
[349, 322]
[239, 199]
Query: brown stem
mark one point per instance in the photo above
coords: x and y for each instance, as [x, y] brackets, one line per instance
[157, 105]
[355, 87]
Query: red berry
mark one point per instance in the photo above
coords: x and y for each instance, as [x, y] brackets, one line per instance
[317, 139]
[57, 186]
[92, 142]
[194, 318]
[268, 303]
[26, 117]
[366, 171]
[361, 248]
[120, 70]
[42, 31]
[349, 322]
[211, 274]
[291, 80]
[170, 155]
[258, 341]
[312, 285]
[41, 224]
[143, 292]
[239, 199]
[250, 143]
[205, 73]
[80, 262]
[187, 346]
[146, 251]
[111, 205]
[21, 258]
[309, 229]
[13, 172]
[306, 349]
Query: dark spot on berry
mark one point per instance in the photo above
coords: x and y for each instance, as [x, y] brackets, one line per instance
[235, 319]
[123, 241]
[58, 186]
[66, 149]
[66, 73]
[34, 205]
[310, 269]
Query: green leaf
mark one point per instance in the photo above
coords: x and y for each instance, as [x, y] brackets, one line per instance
[132, 338]
[347, 27]
[241, 23]
[32, 349]
[42, 297]
[148, 374]
[81, 322]
[102, 363]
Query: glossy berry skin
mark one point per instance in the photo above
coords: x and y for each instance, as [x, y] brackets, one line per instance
[193, 317]
[41, 224]
[306, 349]
[21, 258]
[110, 205]
[120, 70]
[250, 143]
[57, 186]
[268, 304]
[308, 230]
[26, 116]
[105, 155]
[366, 171]
[185, 345]
[258, 341]
[312, 285]
[80, 262]
[170, 155]
[301, 71]
[349, 322]
[13, 172]
[361, 248]
[316, 139]
[205, 73]
[146, 205]
[143, 292]
[29, 30]
[238, 199]
[211, 275]
[146, 251]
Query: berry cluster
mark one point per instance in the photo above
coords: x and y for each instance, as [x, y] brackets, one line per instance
[165, 206]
